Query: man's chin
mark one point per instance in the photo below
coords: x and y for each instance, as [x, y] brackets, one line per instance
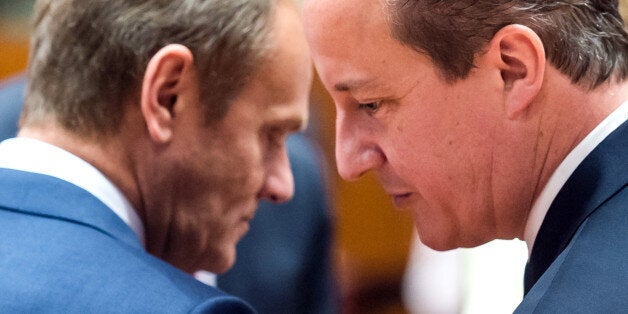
[441, 241]
[219, 262]
[437, 241]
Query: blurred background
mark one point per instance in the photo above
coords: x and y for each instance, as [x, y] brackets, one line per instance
[380, 267]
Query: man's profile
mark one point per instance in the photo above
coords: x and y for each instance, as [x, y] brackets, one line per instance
[150, 131]
[491, 120]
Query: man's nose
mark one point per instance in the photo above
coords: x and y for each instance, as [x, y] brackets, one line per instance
[279, 181]
[356, 149]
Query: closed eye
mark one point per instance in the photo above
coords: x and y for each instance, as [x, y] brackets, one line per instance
[370, 107]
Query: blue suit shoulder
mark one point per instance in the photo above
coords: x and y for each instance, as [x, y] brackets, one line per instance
[82, 258]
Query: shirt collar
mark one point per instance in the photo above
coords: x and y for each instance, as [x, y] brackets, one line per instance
[206, 277]
[35, 156]
[566, 168]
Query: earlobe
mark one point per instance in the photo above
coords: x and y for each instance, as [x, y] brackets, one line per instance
[163, 83]
[522, 64]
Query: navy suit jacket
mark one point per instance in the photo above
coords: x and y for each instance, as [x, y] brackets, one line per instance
[64, 251]
[579, 262]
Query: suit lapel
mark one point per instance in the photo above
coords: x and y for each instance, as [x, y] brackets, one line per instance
[46, 196]
[601, 174]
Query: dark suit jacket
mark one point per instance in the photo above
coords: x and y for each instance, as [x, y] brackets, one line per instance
[63, 251]
[579, 262]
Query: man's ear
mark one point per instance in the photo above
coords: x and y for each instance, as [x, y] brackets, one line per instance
[164, 81]
[521, 59]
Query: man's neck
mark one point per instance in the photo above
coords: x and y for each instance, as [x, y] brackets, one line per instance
[578, 113]
[572, 113]
[106, 154]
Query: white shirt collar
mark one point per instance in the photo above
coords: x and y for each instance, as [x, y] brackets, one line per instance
[206, 277]
[566, 168]
[39, 157]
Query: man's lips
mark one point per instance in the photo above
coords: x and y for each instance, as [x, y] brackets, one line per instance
[400, 198]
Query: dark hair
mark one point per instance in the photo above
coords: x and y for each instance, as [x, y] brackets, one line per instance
[584, 39]
[88, 56]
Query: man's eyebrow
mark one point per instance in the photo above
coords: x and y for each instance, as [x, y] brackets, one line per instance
[290, 125]
[342, 87]
[297, 124]
[351, 85]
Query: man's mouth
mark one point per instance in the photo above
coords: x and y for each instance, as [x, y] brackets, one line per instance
[400, 199]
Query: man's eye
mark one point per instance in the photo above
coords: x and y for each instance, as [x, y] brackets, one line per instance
[371, 107]
[276, 138]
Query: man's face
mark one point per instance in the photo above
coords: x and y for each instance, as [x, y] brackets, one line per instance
[212, 177]
[434, 145]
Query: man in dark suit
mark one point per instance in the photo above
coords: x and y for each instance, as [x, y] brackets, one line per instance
[492, 120]
[149, 133]
[284, 262]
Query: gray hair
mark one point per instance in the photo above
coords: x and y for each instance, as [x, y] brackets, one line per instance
[584, 39]
[89, 56]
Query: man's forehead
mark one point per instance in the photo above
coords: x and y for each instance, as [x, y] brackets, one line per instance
[329, 16]
[346, 41]
[338, 9]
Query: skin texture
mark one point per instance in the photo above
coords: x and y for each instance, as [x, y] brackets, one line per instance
[466, 158]
[196, 186]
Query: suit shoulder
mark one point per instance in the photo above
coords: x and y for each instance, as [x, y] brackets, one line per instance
[591, 274]
[46, 262]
